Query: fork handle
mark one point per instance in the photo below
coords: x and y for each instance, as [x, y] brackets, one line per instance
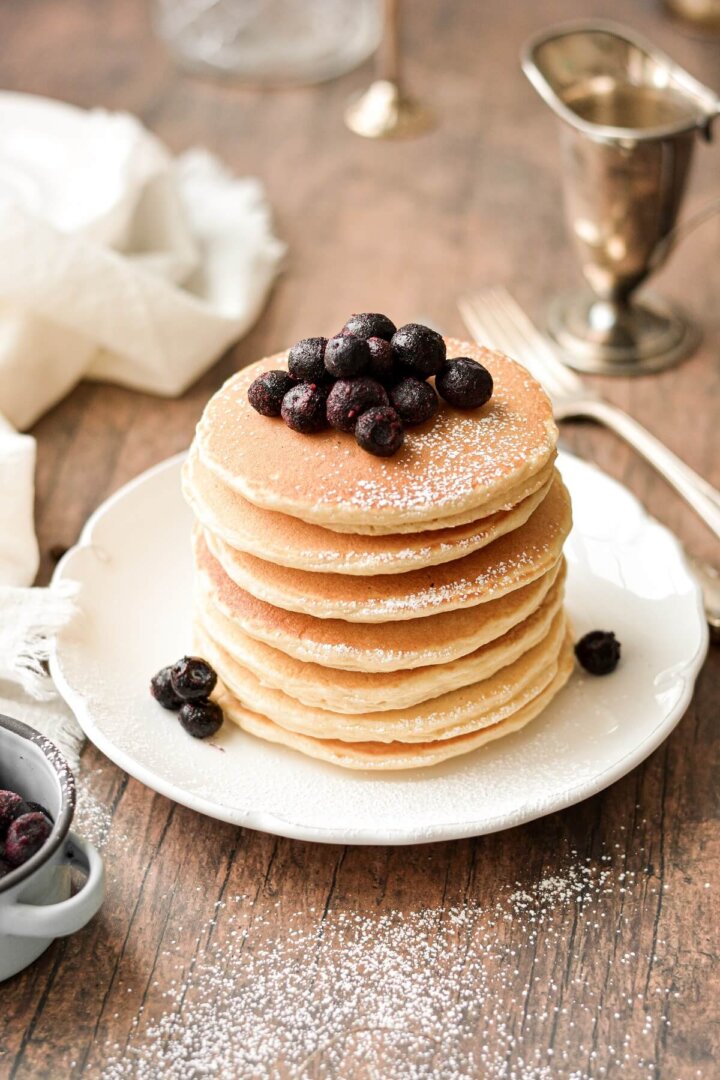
[697, 492]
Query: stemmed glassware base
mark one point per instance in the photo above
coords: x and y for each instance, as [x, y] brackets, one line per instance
[604, 338]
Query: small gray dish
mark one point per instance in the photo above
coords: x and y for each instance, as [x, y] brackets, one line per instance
[35, 902]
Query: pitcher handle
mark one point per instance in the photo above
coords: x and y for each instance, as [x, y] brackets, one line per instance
[683, 229]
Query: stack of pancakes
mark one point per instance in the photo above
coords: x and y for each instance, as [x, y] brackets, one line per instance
[382, 613]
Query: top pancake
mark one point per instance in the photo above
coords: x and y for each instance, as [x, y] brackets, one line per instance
[457, 462]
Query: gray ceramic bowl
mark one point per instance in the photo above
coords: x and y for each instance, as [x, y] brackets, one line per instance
[35, 902]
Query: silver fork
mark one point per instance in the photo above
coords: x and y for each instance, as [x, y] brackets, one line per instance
[495, 319]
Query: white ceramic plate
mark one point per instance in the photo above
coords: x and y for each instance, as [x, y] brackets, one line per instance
[626, 573]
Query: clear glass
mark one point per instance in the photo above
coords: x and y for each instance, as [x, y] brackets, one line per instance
[271, 42]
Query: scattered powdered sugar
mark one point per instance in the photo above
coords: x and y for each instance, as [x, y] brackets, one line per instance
[93, 817]
[453, 991]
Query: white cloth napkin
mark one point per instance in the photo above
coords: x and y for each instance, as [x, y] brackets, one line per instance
[117, 262]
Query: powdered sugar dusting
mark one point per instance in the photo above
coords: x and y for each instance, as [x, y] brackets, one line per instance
[93, 815]
[457, 462]
[459, 991]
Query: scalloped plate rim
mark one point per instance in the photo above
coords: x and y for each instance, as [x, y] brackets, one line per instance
[276, 824]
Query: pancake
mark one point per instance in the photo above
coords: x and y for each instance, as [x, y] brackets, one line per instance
[509, 498]
[506, 564]
[397, 755]
[458, 461]
[443, 717]
[358, 692]
[291, 542]
[369, 646]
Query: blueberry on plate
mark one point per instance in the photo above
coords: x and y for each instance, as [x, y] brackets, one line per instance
[201, 719]
[162, 689]
[598, 652]
[192, 678]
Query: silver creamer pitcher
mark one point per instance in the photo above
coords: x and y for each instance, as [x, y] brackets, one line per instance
[630, 116]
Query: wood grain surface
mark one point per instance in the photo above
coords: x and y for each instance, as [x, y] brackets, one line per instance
[610, 968]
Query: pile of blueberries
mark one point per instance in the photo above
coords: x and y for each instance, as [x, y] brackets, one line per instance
[24, 828]
[185, 688]
[369, 380]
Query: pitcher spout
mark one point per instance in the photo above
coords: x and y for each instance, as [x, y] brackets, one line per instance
[610, 84]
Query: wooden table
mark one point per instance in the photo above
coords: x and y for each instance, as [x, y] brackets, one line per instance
[254, 944]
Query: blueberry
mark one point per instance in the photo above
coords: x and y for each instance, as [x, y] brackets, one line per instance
[303, 407]
[598, 652]
[40, 809]
[414, 401]
[306, 360]
[382, 360]
[201, 718]
[192, 678]
[418, 350]
[350, 397]
[12, 806]
[464, 383]
[346, 356]
[162, 690]
[380, 431]
[266, 393]
[368, 325]
[5, 867]
[26, 835]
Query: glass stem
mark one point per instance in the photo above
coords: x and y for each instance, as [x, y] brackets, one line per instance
[388, 62]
